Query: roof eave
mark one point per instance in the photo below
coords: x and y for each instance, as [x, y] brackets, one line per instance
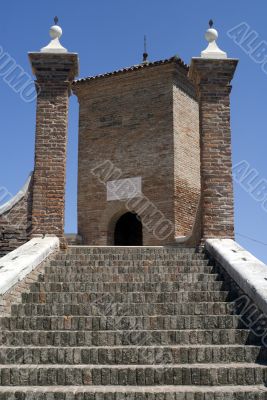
[174, 59]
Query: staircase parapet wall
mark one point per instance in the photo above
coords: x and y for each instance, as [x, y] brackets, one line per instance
[249, 273]
[15, 219]
[20, 263]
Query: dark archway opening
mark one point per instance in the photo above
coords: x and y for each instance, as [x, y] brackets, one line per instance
[128, 230]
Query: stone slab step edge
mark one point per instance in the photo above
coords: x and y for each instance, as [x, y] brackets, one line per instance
[134, 393]
[127, 287]
[89, 323]
[133, 355]
[127, 337]
[176, 374]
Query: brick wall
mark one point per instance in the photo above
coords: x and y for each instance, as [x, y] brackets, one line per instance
[128, 119]
[15, 223]
[187, 155]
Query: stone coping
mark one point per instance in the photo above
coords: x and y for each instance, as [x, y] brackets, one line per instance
[17, 264]
[15, 199]
[247, 271]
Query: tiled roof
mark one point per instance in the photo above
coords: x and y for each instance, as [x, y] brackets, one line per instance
[175, 59]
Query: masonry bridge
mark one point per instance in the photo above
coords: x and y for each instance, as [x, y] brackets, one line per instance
[152, 298]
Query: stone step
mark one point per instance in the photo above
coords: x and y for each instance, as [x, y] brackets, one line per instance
[128, 258]
[127, 253]
[90, 323]
[169, 392]
[125, 278]
[125, 263]
[59, 268]
[133, 250]
[131, 297]
[122, 309]
[127, 337]
[133, 355]
[127, 287]
[176, 374]
[129, 262]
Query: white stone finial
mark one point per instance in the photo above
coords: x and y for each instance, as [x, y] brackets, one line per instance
[54, 46]
[212, 51]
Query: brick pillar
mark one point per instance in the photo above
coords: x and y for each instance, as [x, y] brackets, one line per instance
[212, 78]
[54, 75]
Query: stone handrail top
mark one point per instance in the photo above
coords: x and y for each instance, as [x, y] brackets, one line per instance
[18, 263]
[247, 271]
[15, 199]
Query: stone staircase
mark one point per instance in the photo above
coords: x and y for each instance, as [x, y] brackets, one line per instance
[129, 323]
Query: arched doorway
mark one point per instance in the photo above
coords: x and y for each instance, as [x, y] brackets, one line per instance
[128, 230]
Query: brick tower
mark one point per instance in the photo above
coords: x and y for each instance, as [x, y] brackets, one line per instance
[155, 141]
[138, 152]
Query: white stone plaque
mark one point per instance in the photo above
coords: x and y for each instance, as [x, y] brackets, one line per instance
[122, 189]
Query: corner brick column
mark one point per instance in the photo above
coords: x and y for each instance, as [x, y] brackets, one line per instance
[212, 78]
[54, 73]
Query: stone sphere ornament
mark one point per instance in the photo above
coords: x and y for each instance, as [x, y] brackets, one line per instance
[55, 32]
[211, 35]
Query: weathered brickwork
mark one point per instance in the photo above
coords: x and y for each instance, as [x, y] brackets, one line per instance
[16, 223]
[54, 73]
[212, 79]
[134, 120]
[187, 157]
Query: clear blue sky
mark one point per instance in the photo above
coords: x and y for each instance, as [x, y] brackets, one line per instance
[108, 34]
